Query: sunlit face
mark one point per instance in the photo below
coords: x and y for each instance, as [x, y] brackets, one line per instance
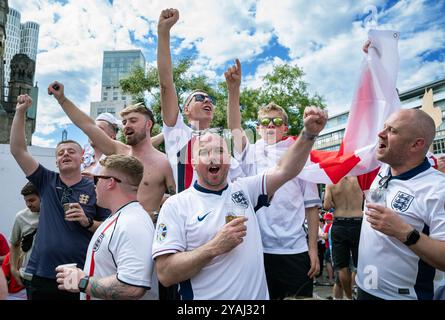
[136, 128]
[271, 133]
[395, 139]
[199, 110]
[211, 161]
[68, 157]
[32, 202]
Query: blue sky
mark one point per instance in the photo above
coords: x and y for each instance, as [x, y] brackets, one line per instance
[324, 38]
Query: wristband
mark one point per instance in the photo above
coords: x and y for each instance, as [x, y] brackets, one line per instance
[308, 136]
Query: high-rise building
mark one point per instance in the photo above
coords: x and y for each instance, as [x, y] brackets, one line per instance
[116, 66]
[20, 38]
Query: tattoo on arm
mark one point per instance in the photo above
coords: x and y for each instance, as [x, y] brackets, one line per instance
[112, 289]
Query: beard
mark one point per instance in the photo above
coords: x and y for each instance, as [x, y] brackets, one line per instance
[136, 137]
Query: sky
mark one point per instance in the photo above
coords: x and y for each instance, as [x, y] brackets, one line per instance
[324, 38]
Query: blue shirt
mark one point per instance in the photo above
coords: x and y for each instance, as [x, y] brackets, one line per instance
[59, 241]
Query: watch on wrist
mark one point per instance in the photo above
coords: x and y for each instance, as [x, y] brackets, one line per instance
[90, 222]
[412, 238]
[83, 284]
[309, 136]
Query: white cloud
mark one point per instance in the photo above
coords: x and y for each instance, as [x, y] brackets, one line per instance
[324, 38]
[43, 142]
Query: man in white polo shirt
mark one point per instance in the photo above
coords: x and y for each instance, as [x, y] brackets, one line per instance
[402, 243]
[118, 264]
[194, 246]
[290, 260]
[198, 109]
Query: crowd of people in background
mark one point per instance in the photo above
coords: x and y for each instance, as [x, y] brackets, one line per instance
[126, 221]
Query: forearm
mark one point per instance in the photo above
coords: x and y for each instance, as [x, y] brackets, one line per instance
[295, 158]
[79, 118]
[234, 120]
[169, 99]
[14, 257]
[431, 251]
[312, 223]
[181, 266]
[17, 136]
[111, 288]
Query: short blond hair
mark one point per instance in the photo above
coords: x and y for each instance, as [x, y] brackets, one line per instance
[139, 108]
[128, 166]
[273, 107]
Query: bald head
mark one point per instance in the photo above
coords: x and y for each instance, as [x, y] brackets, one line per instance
[420, 124]
[206, 142]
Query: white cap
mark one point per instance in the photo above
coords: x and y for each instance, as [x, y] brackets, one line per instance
[108, 117]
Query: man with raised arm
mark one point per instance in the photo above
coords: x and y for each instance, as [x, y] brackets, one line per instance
[62, 237]
[193, 244]
[198, 109]
[137, 123]
[291, 262]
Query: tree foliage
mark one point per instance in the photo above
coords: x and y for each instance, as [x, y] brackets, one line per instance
[283, 86]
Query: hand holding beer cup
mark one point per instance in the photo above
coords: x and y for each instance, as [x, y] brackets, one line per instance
[233, 210]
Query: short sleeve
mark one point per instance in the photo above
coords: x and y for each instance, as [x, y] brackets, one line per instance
[176, 137]
[170, 232]
[133, 260]
[310, 194]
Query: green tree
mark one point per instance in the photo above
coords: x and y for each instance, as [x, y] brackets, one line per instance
[285, 87]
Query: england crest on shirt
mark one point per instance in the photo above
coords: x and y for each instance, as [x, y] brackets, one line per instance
[240, 199]
[402, 201]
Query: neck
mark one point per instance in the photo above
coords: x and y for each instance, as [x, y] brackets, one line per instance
[70, 178]
[219, 187]
[199, 124]
[117, 201]
[143, 146]
[397, 170]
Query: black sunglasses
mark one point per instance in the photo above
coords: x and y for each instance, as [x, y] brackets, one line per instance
[96, 179]
[266, 121]
[199, 97]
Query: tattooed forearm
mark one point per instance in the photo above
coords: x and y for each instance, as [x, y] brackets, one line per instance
[112, 289]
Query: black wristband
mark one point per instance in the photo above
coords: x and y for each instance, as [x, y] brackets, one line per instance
[412, 238]
[90, 222]
[308, 136]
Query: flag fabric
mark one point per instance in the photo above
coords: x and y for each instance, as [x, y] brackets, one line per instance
[375, 99]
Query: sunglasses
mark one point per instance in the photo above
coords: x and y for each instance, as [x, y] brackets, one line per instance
[266, 121]
[383, 182]
[96, 179]
[199, 97]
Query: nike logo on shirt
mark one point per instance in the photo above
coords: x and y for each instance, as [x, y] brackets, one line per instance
[200, 218]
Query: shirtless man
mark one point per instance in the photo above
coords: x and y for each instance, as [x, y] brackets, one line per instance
[346, 197]
[137, 125]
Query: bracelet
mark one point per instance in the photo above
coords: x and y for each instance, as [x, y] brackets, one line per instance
[308, 136]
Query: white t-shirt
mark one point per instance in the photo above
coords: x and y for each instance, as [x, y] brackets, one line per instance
[281, 223]
[25, 222]
[121, 246]
[192, 218]
[387, 268]
[178, 148]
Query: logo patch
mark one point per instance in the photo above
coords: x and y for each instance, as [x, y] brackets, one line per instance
[240, 199]
[98, 242]
[402, 201]
[83, 198]
[162, 232]
[200, 218]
